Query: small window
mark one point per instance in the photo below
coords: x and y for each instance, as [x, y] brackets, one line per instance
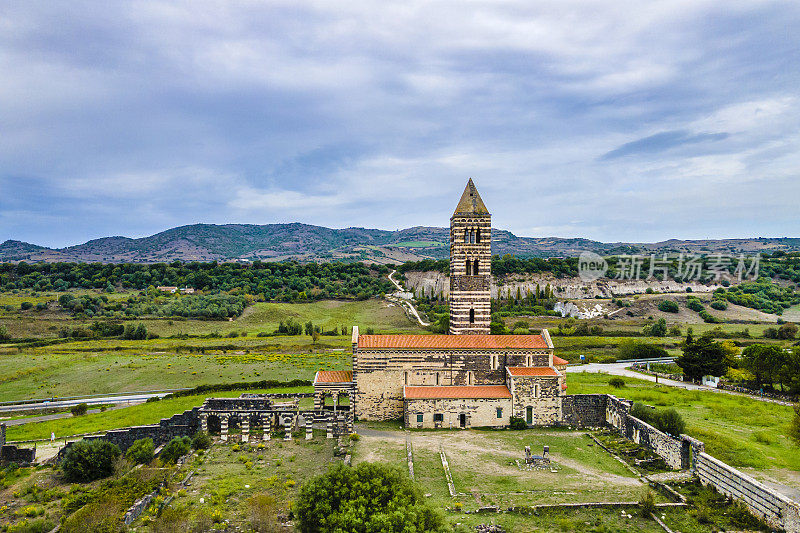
[437, 417]
[469, 378]
[405, 377]
[475, 268]
[472, 316]
[419, 418]
[478, 235]
[466, 235]
[499, 412]
[437, 378]
[469, 267]
[472, 237]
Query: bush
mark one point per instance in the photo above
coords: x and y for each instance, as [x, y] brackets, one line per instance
[201, 441]
[695, 305]
[670, 421]
[263, 512]
[719, 305]
[668, 306]
[616, 382]
[88, 460]
[40, 525]
[141, 452]
[369, 497]
[79, 410]
[517, 423]
[647, 504]
[640, 350]
[175, 449]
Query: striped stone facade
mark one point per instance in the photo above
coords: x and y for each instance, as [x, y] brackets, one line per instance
[470, 265]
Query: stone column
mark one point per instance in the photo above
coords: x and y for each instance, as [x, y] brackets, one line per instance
[266, 423]
[329, 434]
[204, 423]
[287, 435]
[309, 427]
[223, 428]
[245, 428]
[350, 429]
[319, 400]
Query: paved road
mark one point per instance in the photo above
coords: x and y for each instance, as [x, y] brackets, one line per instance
[96, 400]
[56, 416]
[622, 369]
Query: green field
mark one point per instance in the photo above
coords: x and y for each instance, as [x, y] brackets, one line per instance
[114, 365]
[419, 244]
[743, 432]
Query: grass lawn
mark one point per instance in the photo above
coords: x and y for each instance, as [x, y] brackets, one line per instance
[741, 431]
[135, 415]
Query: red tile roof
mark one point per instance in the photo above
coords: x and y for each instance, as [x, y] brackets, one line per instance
[333, 376]
[456, 392]
[529, 371]
[557, 361]
[453, 342]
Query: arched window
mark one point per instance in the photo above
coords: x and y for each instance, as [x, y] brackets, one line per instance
[478, 235]
[469, 267]
[472, 316]
[475, 268]
[466, 235]
[472, 236]
[437, 378]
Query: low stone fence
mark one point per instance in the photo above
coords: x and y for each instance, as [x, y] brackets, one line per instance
[685, 452]
[774, 508]
[183, 424]
[642, 369]
[744, 390]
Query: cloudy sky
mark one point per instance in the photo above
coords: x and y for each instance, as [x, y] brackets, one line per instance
[613, 120]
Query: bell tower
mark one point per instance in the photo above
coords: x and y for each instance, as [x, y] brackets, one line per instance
[470, 265]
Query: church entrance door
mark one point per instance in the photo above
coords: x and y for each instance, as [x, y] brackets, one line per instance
[529, 415]
[462, 420]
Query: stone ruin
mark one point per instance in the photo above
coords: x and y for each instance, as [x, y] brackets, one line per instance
[537, 460]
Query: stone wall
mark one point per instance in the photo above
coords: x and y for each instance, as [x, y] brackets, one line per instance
[776, 509]
[584, 410]
[13, 454]
[183, 424]
[541, 394]
[477, 412]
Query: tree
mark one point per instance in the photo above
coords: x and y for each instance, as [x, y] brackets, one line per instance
[141, 451]
[702, 357]
[79, 409]
[367, 498]
[88, 460]
[175, 449]
[787, 331]
[657, 329]
[764, 361]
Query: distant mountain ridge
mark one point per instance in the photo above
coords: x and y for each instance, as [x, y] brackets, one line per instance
[304, 242]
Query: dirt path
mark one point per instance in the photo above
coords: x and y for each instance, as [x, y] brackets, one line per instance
[396, 298]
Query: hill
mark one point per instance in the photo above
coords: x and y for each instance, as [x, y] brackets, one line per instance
[304, 242]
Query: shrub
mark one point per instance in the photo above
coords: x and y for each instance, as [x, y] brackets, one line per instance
[175, 449]
[25, 306]
[369, 497]
[695, 305]
[719, 305]
[616, 382]
[670, 421]
[141, 452]
[647, 504]
[4, 335]
[79, 410]
[40, 525]
[201, 441]
[787, 331]
[88, 460]
[668, 306]
[517, 423]
[640, 350]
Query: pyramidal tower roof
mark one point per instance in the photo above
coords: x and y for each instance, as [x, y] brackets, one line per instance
[470, 203]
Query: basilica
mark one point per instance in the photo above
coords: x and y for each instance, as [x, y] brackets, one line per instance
[468, 378]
